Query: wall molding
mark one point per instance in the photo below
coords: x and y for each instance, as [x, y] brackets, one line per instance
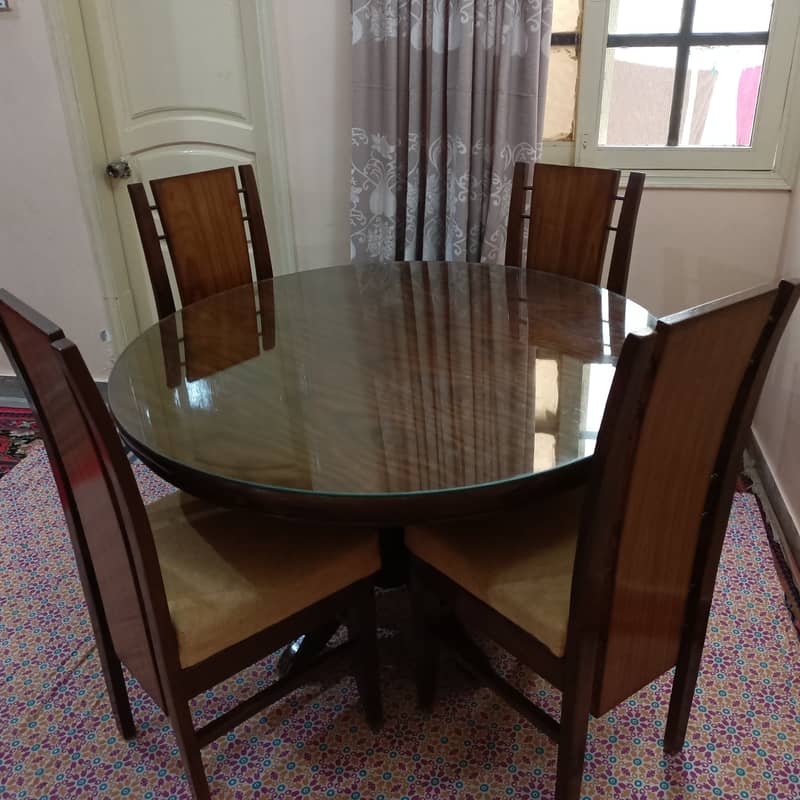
[781, 520]
[63, 20]
[277, 155]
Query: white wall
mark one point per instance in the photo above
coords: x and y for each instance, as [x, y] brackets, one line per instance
[314, 60]
[45, 252]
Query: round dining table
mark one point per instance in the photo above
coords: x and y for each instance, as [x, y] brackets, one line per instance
[380, 394]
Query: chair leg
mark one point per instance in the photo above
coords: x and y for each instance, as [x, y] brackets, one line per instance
[427, 644]
[685, 680]
[118, 694]
[181, 719]
[109, 661]
[362, 627]
[574, 726]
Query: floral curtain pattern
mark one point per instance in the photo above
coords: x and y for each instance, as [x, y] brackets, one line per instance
[447, 95]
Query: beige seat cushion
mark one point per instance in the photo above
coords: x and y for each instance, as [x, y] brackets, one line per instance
[520, 562]
[231, 573]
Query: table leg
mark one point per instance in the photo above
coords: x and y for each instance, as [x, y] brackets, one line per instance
[394, 558]
[394, 572]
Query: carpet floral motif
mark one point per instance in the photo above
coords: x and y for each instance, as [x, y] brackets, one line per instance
[58, 740]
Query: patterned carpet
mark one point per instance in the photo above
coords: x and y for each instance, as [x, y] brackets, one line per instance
[18, 430]
[57, 739]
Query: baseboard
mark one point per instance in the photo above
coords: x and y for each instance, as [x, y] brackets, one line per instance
[12, 395]
[782, 522]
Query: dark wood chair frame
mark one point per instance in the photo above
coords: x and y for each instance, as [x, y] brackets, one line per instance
[151, 239]
[159, 670]
[624, 230]
[442, 608]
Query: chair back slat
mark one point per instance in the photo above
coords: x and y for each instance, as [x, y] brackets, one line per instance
[648, 548]
[205, 232]
[622, 251]
[569, 218]
[96, 485]
[255, 222]
[153, 254]
[515, 256]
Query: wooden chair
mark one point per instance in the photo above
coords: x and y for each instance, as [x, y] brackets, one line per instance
[183, 593]
[571, 213]
[204, 228]
[604, 589]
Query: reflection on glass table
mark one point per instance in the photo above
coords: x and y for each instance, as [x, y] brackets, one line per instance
[374, 389]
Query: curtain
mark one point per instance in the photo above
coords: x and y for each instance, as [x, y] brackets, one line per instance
[447, 95]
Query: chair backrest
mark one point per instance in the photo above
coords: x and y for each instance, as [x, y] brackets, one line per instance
[569, 218]
[663, 481]
[204, 229]
[108, 523]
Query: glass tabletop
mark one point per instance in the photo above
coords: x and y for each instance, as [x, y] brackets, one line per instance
[376, 380]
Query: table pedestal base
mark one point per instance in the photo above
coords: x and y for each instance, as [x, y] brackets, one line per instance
[394, 572]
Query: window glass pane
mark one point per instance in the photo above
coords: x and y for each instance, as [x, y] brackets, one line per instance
[645, 16]
[725, 16]
[562, 80]
[565, 15]
[637, 96]
[721, 94]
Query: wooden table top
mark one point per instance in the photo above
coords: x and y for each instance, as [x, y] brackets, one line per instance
[380, 393]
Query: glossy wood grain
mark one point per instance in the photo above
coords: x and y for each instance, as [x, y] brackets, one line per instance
[207, 229]
[703, 362]
[389, 393]
[568, 218]
[621, 253]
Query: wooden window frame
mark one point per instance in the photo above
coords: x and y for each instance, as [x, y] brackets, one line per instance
[770, 162]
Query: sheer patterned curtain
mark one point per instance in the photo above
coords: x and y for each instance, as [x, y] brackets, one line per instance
[447, 95]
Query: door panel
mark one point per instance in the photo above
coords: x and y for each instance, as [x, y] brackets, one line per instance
[180, 89]
[194, 57]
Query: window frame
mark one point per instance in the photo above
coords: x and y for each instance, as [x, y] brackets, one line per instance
[769, 163]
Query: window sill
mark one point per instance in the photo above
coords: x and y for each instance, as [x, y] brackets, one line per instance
[715, 179]
[731, 179]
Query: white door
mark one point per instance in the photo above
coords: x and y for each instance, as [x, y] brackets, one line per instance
[180, 88]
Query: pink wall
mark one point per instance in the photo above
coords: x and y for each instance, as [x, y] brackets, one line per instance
[45, 252]
[694, 245]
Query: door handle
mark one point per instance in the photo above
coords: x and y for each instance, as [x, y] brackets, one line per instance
[118, 169]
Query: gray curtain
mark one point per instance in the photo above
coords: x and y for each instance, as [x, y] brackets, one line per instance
[447, 95]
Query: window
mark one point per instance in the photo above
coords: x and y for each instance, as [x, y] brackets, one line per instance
[671, 86]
